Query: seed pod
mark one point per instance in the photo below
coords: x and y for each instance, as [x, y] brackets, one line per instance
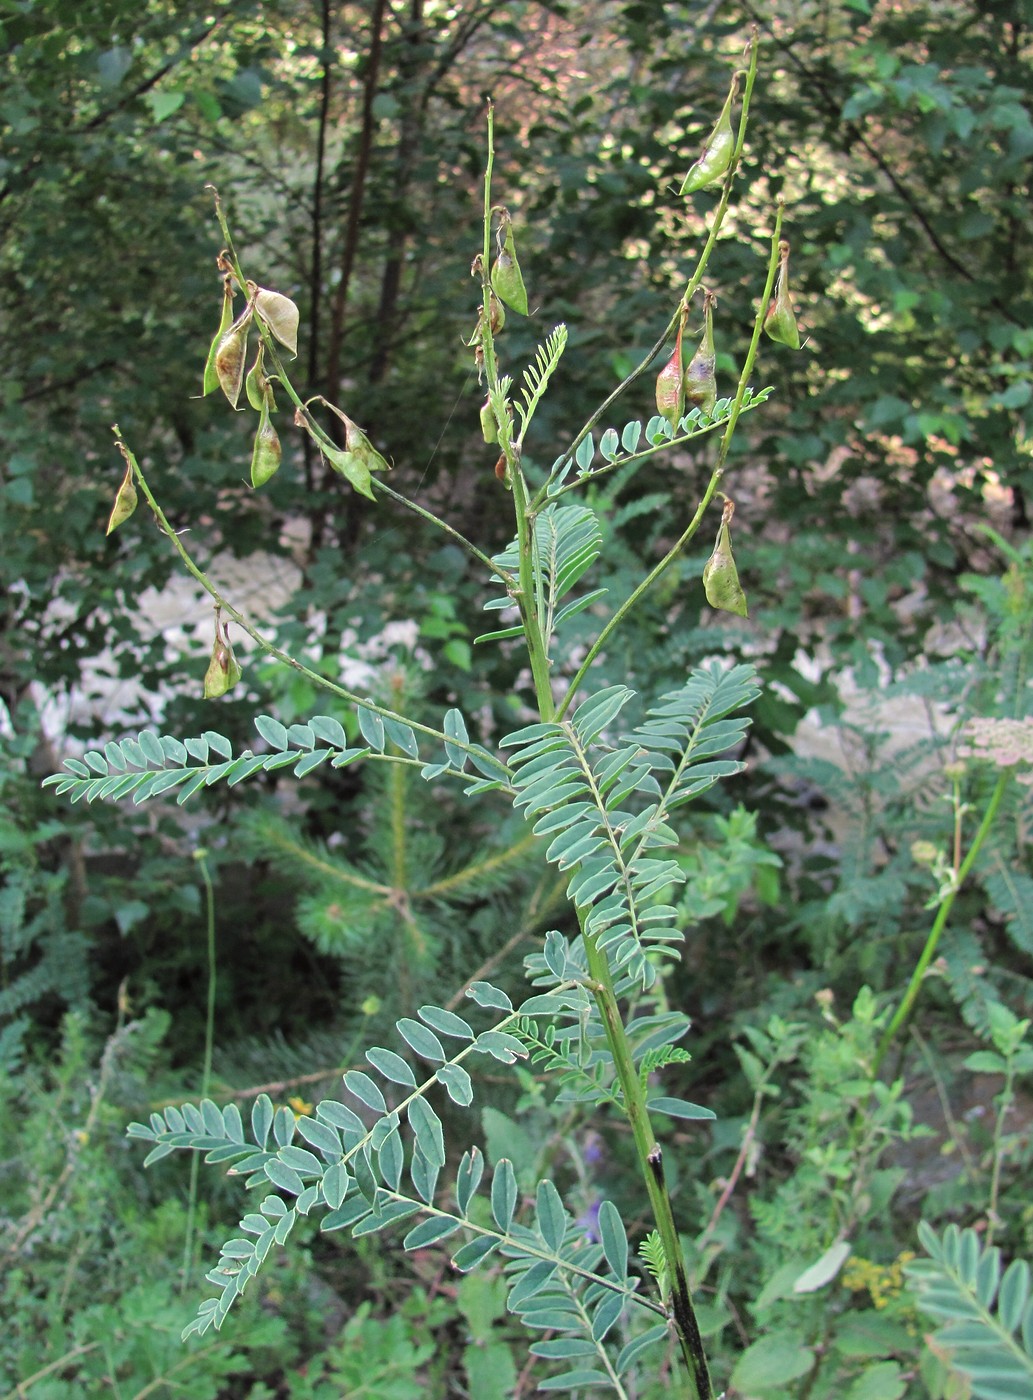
[498, 314]
[230, 356]
[359, 445]
[223, 669]
[720, 576]
[780, 319]
[265, 457]
[489, 428]
[506, 278]
[700, 376]
[125, 502]
[211, 378]
[349, 466]
[256, 386]
[716, 155]
[279, 313]
[358, 458]
[670, 384]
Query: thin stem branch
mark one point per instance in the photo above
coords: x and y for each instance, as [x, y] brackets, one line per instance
[904, 1010]
[694, 282]
[722, 456]
[270, 648]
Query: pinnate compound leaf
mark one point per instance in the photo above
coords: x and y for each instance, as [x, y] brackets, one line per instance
[958, 1285]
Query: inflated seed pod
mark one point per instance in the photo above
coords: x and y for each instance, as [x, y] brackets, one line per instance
[716, 155]
[223, 669]
[489, 428]
[670, 384]
[211, 377]
[279, 313]
[498, 314]
[266, 454]
[720, 576]
[700, 372]
[780, 319]
[125, 502]
[256, 386]
[231, 354]
[359, 445]
[506, 278]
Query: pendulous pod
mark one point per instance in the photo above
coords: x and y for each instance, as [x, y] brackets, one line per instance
[716, 155]
[780, 319]
[125, 502]
[720, 576]
[506, 279]
[266, 454]
[700, 373]
[670, 383]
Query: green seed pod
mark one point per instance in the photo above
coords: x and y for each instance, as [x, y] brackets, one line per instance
[716, 155]
[256, 385]
[700, 376]
[489, 428]
[349, 466]
[279, 313]
[125, 502]
[211, 377]
[720, 576]
[230, 356]
[780, 319]
[506, 278]
[498, 314]
[670, 384]
[359, 445]
[265, 457]
[223, 669]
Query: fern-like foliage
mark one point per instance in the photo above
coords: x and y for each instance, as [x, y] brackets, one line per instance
[567, 541]
[987, 1311]
[605, 805]
[151, 764]
[538, 374]
[635, 443]
[349, 1161]
[577, 1053]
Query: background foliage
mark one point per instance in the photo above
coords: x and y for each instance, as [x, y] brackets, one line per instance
[347, 141]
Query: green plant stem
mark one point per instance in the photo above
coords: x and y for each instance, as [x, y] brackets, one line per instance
[1004, 1102]
[263, 642]
[708, 495]
[690, 1341]
[693, 284]
[629, 603]
[903, 1011]
[22, 1388]
[530, 614]
[200, 856]
[502, 574]
[524, 595]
